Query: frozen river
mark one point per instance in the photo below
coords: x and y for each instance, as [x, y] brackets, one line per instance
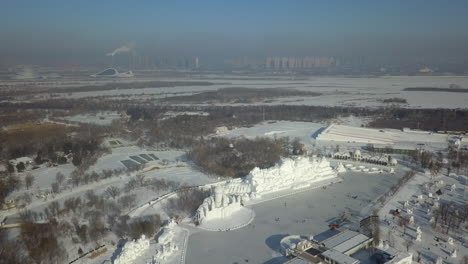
[335, 91]
[258, 242]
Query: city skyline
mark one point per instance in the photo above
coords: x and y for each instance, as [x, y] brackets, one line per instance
[86, 31]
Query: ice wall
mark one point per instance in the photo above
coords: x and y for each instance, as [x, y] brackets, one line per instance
[167, 241]
[219, 205]
[132, 250]
[294, 173]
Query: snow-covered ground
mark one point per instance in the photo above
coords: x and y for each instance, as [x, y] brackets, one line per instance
[303, 213]
[302, 130]
[433, 244]
[335, 134]
[101, 118]
[336, 91]
[170, 167]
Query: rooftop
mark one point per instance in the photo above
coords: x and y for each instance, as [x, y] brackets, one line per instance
[340, 238]
[339, 257]
[352, 243]
[297, 261]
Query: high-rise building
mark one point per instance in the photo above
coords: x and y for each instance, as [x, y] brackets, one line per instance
[300, 62]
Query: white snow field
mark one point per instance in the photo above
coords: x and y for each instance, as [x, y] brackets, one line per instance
[132, 250]
[414, 201]
[302, 130]
[306, 212]
[388, 137]
[170, 166]
[167, 165]
[336, 91]
[240, 217]
[101, 118]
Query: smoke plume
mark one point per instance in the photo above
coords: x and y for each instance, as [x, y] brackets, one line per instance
[123, 49]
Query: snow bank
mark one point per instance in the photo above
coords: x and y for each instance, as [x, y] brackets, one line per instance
[132, 250]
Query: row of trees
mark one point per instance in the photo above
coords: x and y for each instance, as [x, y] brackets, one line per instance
[393, 117]
[92, 218]
[237, 157]
[186, 203]
[450, 216]
[238, 95]
[45, 141]
[397, 186]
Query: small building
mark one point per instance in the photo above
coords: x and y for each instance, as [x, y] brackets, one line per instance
[344, 247]
[347, 242]
[357, 155]
[8, 204]
[221, 130]
[333, 256]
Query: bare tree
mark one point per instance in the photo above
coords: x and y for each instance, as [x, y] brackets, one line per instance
[55, 187]
[54, 208]
[9, 252]
[27, 198]
[408, 244]
[59, 178]
[42, 243]
[76, 177]
[28, 180]
[72, 204]
[92, 198]
[26, 216]
[464, 260]
[65, 228]
[113, 191]
[131, 185]
[140, 178]
[148, 225]
[127, 201]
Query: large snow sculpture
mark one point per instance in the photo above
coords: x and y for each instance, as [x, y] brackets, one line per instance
[418, 236]
[340, 168]
[290, 174]
[453, 187]
[418, 233]
[132, 250]
[450, 240]
[219, 205]
[166, 241]
[453, 254]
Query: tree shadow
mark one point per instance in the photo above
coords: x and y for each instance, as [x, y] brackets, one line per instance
[274, 241]
[276, 260]
[117, 252]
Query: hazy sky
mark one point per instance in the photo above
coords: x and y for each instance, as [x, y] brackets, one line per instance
[235, 27]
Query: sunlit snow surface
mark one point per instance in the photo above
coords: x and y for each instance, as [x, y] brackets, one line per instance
[303, 213]
[336, 91]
